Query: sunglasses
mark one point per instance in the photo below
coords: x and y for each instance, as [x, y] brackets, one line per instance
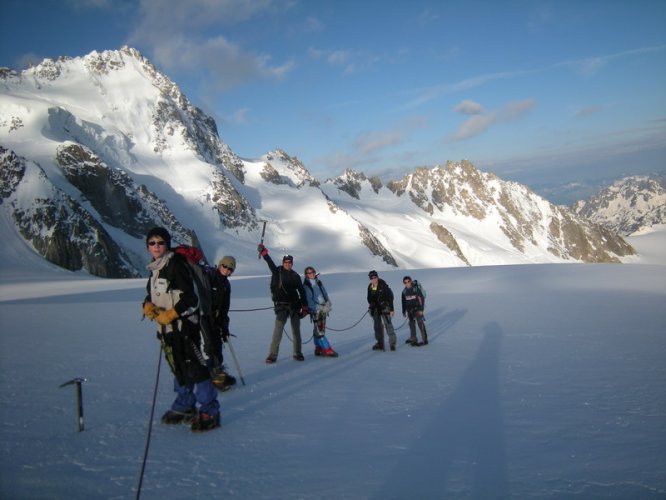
[373, 278]
[407, 281]
[310, 272]
[153, 243]
[231, 269]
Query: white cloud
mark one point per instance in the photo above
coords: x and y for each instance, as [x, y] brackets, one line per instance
[369, 142]
[590, 66]
[427, 16]
[482, 121]
[515, 110]
[586, 67]
[474, 126]
[240, 116]
[372, 141]
[174, 16]
[89, 4]
[370, 148]
[338, 57]
[313, 25]
[354, 61]
[175, 33]
[468, 108]
[588, 111]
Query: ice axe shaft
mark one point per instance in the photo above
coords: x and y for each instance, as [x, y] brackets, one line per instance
[263, 232]
[233, 356]
[79, 398]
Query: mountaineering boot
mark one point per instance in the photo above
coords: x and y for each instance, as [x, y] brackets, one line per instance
[318, 351]
[411, 340]
[221, 379]
[393, 347]
[179, 417]
[330, 353]
[378, 347]
[299, 357]
[271, 359]
[205, 422]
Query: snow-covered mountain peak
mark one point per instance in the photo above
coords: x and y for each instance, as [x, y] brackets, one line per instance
[353, 183]
[119, 141]
[630, 205]
[280, 168]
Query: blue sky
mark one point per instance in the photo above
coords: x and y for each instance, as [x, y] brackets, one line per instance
[542, 92]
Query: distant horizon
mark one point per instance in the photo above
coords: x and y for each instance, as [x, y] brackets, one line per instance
[538, 93]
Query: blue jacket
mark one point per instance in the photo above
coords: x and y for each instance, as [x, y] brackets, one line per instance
[315, 293]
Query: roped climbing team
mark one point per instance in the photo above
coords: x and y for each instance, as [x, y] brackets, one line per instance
[172, 302]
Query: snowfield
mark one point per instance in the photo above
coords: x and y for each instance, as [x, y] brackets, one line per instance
[540, 381]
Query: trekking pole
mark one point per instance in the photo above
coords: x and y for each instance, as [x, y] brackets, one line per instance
[263, 232]
[150, 425]
[79, 398]
[233, 356]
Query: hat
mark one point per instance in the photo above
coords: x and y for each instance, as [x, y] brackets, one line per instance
[373, 274]
[228, 261]
[288, 257]
[162, 233]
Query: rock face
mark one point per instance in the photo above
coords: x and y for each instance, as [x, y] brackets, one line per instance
[57, 226]
[525, 219]
[630, 205]
[97, 150]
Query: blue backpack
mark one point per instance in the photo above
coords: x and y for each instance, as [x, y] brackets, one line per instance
[419, 288]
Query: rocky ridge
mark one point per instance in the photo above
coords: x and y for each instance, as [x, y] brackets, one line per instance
[130, 151]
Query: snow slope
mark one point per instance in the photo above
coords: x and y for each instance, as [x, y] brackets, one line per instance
[540, 381]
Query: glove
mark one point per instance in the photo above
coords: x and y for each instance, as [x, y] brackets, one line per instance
[166, 317]
[150, 310]
[304, 311]
[391, 313]
[262, 249]
[225, 336]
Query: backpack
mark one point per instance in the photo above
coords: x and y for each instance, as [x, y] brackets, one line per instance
[203, 275]
[419, 288]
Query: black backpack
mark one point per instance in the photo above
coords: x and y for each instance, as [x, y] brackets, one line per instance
[203, 275]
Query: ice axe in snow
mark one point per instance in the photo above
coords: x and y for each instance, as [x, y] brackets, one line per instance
[79, 397]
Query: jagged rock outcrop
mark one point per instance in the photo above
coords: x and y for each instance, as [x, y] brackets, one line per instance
[111, 192]
[375, 246]
[351, 183]
[280, 168]
[117, 199]
[445, 236]
[56, 225]
[628, 206]
[235, 211]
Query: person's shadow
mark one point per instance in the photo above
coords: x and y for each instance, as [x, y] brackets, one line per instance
[461, 453]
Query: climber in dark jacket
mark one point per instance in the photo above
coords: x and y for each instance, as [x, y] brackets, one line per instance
[289, 302]
[221, 303]
[380, 306]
